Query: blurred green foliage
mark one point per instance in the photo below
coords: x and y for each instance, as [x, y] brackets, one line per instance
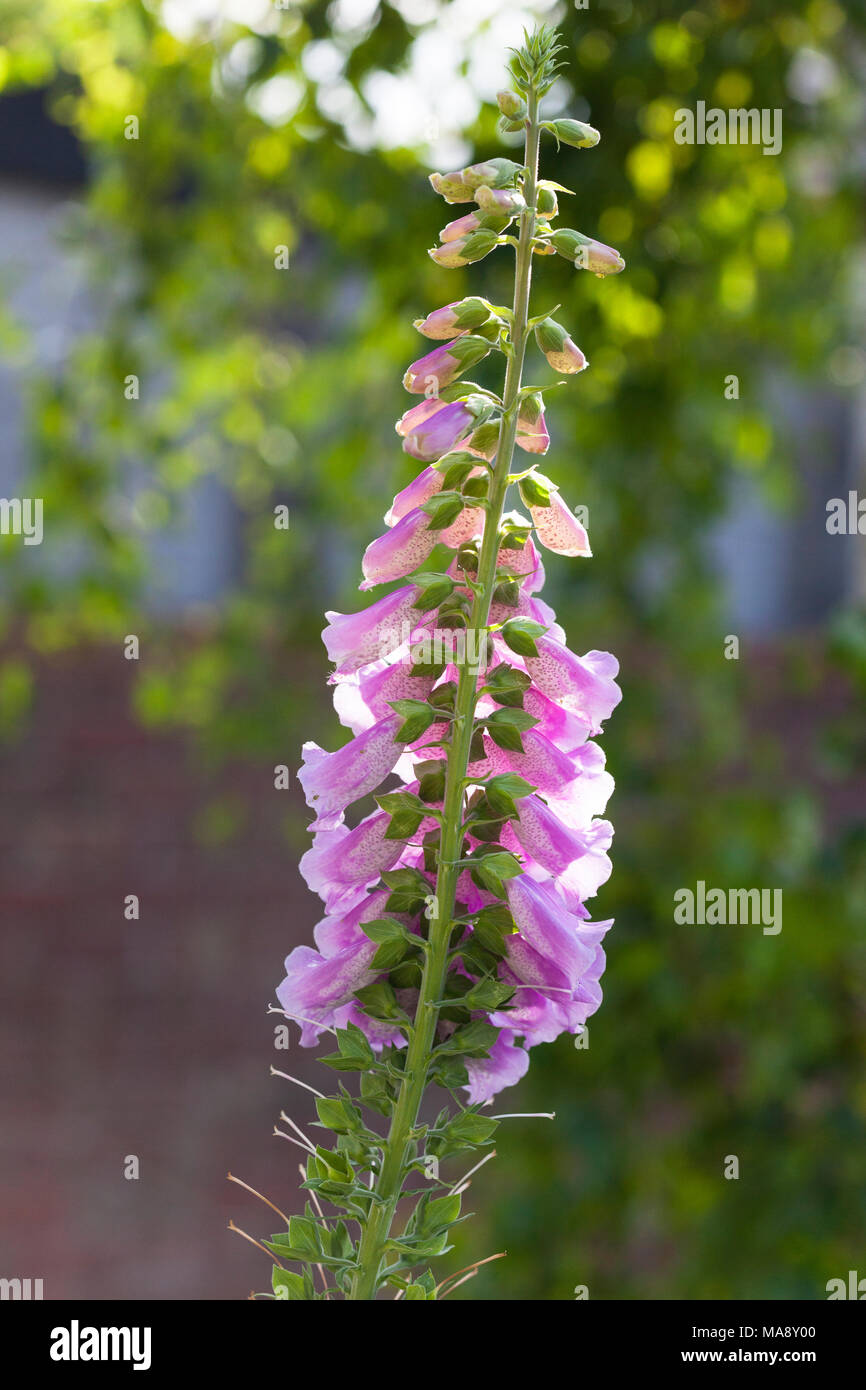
[283, 385]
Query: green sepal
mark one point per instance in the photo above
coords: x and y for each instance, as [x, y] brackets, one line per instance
[520, 634]
[491, 926]
[339, 1114]
[442, 508]
[417, 717]
[504, 789]
[379, 1001]
[409, 890]
[534, 492]
[507, 685]
[433, 589]
[490, 869]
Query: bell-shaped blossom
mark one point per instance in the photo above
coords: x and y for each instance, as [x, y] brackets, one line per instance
[353, 640]
[441, 428]
[332, 781]
[445, 363]
[422, 487]
[365, 696]
[584, 684]
[316, 986]
[577, 858]
[342, 862]
[402, 549]
[586, 253]
[505, 1066]
[558, 528]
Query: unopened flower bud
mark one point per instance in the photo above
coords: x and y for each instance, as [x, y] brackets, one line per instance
[512, 105]
[438, 432]
[576, 133]
[546, 205]
[461, 226]
[531, 427]
[460, 185]
[445, 364]
[586, 253]
[502, 202]
[464, 250]
[562, 354]
[461, 316]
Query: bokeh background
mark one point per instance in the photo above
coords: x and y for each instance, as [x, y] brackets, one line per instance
[312, 126]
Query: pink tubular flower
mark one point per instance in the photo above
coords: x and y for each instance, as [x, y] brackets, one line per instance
[402, 549]
[558, 528]
[585, 685]
[464, 249]
[416, 415]
[586, 253]
[446, 363]
[352, 640]
[332, 781]
[440, 430]
[342, 862]
[505, 1066]
[461, 226]
[422, 487]
[364, 697]
[461, 316]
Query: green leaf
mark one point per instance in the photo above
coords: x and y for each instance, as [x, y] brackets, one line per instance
[400, 801]
[488, 994]
[507, 592]
[376, 1092]
[290, 1286]
[337, 1114]
[475, 487]
[355, 1053]
[303, 1235]
[472, 1040]
[460, 465]
[392, 939]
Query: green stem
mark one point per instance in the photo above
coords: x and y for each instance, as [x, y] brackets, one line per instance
[390, 1180]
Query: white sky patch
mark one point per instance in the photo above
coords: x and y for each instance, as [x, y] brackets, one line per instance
[184, 18]
[277, 99]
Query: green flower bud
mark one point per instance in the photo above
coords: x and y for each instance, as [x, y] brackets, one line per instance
[586, 253]
[546, 205]
[576, 133]
[561, 352]
[464, 250]
[512, 106]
